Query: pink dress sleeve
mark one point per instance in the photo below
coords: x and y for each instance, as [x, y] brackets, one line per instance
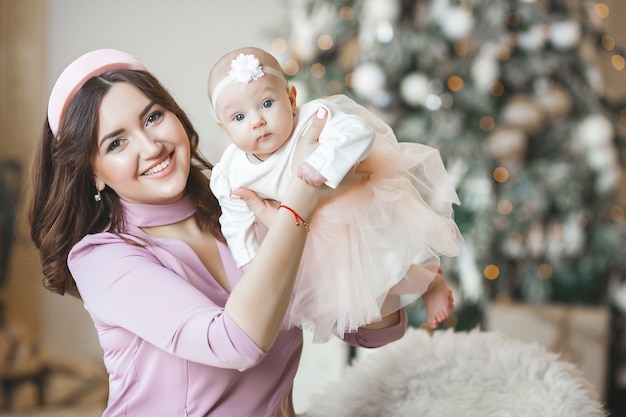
[163, 295]
[369, 338]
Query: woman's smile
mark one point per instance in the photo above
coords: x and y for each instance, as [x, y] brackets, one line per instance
[160, 167]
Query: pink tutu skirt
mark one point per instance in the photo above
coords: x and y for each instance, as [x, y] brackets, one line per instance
[378, 242]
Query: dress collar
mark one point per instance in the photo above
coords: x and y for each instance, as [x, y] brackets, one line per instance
[149, 215]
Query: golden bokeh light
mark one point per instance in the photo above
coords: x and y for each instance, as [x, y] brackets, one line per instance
[346, 13]
[491, 272]
[318, 70]
[602, 10]
[618, 62]
[544, 271]
[325, 42]
[348, 79]
[487, 123]
[505, 207]
[461, 48]
[501, 174]
[617, 213]
[608, 42]
[503, 53]
[279, 45]
[455, 83]
[291, 67]
[497, 89]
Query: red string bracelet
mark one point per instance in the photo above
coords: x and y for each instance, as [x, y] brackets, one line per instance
[297, 216]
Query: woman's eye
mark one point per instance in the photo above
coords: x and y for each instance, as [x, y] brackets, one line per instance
[238, 117]
[267, 104]
[114, 144]
[154, 117]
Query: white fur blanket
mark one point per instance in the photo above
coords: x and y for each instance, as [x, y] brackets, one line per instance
[459, 374]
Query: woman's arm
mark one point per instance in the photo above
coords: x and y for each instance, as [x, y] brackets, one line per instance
[390, 328]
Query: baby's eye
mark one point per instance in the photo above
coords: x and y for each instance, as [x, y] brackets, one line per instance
[239, 117]
[267, 104]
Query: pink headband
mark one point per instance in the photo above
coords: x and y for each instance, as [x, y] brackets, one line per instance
[89, 65]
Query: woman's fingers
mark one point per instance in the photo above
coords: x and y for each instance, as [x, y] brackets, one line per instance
[312, 134]
[264, 210]
[308, 142]
[353, 177]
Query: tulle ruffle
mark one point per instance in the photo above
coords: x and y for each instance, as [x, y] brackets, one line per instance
[378, 241]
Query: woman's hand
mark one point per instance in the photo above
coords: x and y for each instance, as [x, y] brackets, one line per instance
[264, 209]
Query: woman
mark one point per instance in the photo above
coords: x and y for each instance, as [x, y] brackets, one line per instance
[123, 218]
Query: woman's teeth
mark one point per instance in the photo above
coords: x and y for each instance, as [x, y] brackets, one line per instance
[159, 167]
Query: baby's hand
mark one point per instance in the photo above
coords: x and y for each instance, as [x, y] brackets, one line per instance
[310, 175]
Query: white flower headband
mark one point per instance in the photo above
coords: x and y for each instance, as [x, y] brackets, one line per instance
[243, 69]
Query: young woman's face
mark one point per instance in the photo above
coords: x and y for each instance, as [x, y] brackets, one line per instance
[143, 150]
[258, 117]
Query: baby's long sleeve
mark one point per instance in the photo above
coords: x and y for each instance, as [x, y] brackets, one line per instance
[345, 141]
[237, 220]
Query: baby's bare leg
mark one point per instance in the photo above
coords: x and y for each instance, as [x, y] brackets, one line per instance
[438, 301]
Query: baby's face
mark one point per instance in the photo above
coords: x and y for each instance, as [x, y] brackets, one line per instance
[259, 116]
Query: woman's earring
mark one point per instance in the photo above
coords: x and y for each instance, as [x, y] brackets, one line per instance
[97, 196]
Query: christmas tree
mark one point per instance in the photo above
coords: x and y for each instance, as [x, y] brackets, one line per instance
[509, 93]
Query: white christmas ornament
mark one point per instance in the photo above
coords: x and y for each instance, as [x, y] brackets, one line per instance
[594, 139]
[565, 35]
[567, 239]
[609, 178]
[514, 246]
[381, 10]
[533, 39]
[478, 192]
[470, 277]
[384, 32]
[457, 23]
[507, 144]
[524, 112]
[536, 240]
[598, 158]
[414, 89]
[554, 99]
[433, 102]
[377, 18]
[595, 131]
[437, 9]
[368, 80]
[486, 69]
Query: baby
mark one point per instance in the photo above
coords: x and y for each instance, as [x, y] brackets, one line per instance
[372, 250]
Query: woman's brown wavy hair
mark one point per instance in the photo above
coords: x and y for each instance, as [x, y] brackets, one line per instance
[62, 207]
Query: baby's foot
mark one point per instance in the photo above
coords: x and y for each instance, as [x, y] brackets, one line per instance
[438, 301]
